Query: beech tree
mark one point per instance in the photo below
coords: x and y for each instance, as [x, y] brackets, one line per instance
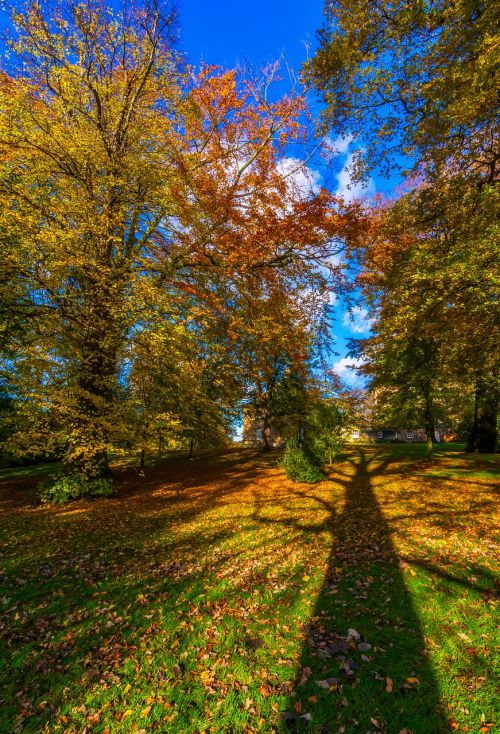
[431, 286]
[416, 84]
[414, 80]
[132, 188]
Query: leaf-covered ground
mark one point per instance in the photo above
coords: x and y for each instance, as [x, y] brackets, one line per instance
[216, 596]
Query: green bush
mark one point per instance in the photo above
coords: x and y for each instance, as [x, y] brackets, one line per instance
[59, 490]
[300, 465]
[328, 446]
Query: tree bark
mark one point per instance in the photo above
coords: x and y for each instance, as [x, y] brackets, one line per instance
[429, 422]
[97, 350]
[161, 443]
[483, 438]
[472, 440]
[266, 430]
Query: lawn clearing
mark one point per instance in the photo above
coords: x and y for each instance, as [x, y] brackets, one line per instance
[216, 596]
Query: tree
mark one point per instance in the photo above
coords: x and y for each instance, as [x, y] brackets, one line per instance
[417, 85]
[413, 79]
[131, 188]
[433, 300]
[328, 419]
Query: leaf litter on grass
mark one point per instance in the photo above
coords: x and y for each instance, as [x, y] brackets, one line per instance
[220, 597]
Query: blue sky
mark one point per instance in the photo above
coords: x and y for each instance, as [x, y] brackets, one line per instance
[226, 33]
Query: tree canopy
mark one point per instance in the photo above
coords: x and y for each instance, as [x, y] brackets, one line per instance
[156, 243]
[417, 84]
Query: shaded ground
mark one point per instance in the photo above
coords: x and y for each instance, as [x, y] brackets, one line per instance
[216, 596]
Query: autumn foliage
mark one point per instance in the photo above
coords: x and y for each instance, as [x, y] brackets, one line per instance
[152, 232]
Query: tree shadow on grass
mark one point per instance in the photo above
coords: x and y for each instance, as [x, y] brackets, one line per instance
[147, 590]
[83, 588]
[364, 666]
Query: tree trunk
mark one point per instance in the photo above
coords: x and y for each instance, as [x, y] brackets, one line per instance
[300, 435]
[191, 447]
[483, 436]
[161, 443]
[429, 424]
[266, 430]
[96, 369]
[472, 440]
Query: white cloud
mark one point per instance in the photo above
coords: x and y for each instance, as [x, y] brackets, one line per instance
[332, 298]
[357, 320]
[345, 369]
[336, 146]
[303, 181]
[347, 188]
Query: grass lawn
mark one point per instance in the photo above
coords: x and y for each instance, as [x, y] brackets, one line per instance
[216, 596]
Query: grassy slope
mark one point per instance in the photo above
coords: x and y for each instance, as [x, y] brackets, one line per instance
[214, 595]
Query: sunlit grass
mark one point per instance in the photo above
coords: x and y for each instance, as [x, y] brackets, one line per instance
[206, 597]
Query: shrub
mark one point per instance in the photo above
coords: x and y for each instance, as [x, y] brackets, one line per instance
[328, 446]
[64, 488]
[300, 465]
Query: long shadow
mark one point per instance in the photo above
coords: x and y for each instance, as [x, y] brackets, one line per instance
[90, 601]
[364, 666]
[79, 584]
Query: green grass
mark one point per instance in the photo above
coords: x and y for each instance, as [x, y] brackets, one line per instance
[213, 596]
[22, 472]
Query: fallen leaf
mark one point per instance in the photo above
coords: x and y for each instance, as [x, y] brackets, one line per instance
[388, 686]
[328, 683]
